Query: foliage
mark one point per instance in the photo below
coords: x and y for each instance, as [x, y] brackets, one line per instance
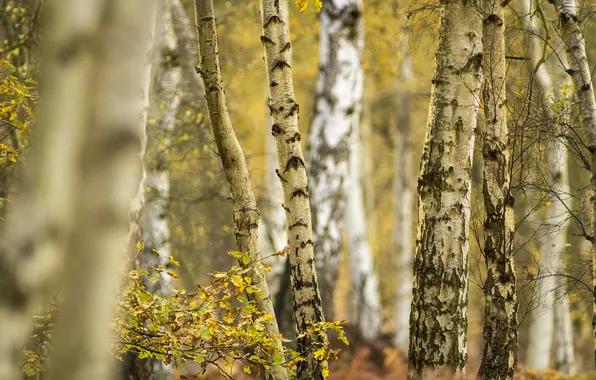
[214, 325]
[303, 4]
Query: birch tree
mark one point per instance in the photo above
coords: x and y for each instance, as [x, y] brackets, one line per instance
[579, 70]
[438, 320]
[294, 181]
[403, 198]
[109, 166]
[554, 304]
[246, 213]
[337, 114]
[32, 248]
[499, 356]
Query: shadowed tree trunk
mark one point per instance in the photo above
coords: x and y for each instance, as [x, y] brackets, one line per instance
[246, 213]
[499, 356]
[294, 180]
[438, 320]
[579, 70]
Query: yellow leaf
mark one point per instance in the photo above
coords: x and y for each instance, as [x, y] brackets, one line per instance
[548, 203]
[266, 267]
[302, 4]
[246, 368]
[140, 245]
[318, 5]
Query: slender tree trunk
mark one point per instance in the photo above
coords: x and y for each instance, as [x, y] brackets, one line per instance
[294, 181]
[110, 167]
[499, 356]
[403, 207]
[246, 213]
[39, 228]
[438, 320]
[542, 326]
[558, 216]
[579, 70]
[551, 317]
[365, 286]
[337, 114]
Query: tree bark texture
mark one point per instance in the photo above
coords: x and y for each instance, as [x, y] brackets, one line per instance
[109, 169]
[337, 114]
[499, 356]
[438, 320]
[246, 213]
[294, 180]
[579, 70]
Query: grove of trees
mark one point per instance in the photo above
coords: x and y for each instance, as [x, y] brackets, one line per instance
[221, 189]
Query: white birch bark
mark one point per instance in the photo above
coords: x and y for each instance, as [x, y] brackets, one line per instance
[110, 168]
[246, 213]
[554, 305]
[337, 113]
[403, 206]
[438, 320]
[39, 227]
[579, 70]
[499, 357]
[154, 224]
[365, 287]
[294, 181]
[558, 216]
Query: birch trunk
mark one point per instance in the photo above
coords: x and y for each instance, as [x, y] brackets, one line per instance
[110, 169]
[438, 320]
[499, 356]
[294, 181]
[365, 285]
[559, 218]
[38, 230]
[403, 206]
[551, 319]
[337, 114]
[542, 327]
[579, 71]
[246, 213]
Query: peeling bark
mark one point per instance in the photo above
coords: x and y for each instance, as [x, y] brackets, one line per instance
[579, 70]
[337, 114]
[294, 180]
[246, 213]
[438, 320]
[499, 356]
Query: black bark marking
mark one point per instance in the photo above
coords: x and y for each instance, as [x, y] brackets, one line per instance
[280, 176]
[273, 84]
[299, 193]
[267, 40]
[273, 20]
[294, 138]
[295, 109]
[297, 224]
[280, 65]
[286, 47]
[276, 130]
[294, 162]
